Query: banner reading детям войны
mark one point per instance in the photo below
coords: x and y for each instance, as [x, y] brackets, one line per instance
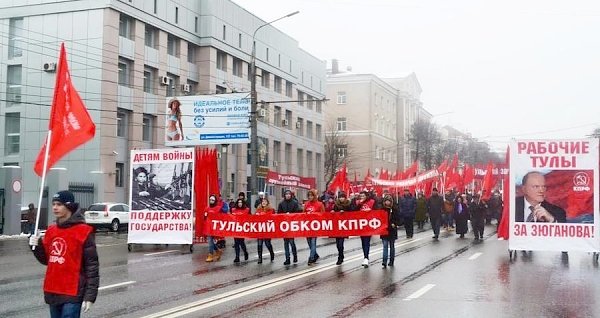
[554, 195]
[326, 224]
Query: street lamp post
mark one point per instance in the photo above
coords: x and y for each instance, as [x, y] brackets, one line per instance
[254, 110]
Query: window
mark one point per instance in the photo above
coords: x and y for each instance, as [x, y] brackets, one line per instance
[288, 157]
[309, 129]
[13, 87]
[278, 84]
[301, 98]
[125, 71]
[300, 127]
[224, 35]
[341, 98]
[15, 37]
[221, 61]
[309, 163]
[220, 90]
[174, 84]
[150, 79]
[176, 15]
[341, 123]
[193, 85]
[318, 132]
[196, 24]
[121, 123]
[12, 131]
[318, 160]
[376, 152]
[172, 45]
[191, 57]
[276, 153]
[300, 161]
[147, 124]
[310, 102]
[151, 36]
[319, 107]
[277, 116]
[119, 174]
[288, 89]
[239, 40]
[288, 118]
[126, 24]
[265, 79]
[342, 151]
[237, 67]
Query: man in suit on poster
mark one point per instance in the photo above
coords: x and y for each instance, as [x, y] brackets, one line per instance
[532, 206]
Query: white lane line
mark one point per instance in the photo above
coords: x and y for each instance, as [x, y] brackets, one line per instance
[420, 292]
[244, 291]
[107, 245]
[160, 253]
[117, 285]
[475, 256]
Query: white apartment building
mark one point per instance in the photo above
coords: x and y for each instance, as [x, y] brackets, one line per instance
[375, 116]
[119, 51]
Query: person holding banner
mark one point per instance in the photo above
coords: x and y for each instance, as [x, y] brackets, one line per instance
[240, 243]
[265, 209]
[534, 202]
[289, 205]
[364, 203]
[342, 204]
[389, 240]
[69, 251]
[313, 205]
[214, 206]
[174, 121]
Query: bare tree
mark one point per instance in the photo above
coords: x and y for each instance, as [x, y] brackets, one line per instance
[336, 152]
[425, 138]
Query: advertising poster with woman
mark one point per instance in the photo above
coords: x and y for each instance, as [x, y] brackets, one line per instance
[554, 195]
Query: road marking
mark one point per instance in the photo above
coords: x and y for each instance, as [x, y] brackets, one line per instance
[107, 245]
[160, 253]
[117, 285]
[420, 292]
[244, 291]
[475, 256]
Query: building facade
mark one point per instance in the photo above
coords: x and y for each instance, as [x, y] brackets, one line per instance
[126, 57]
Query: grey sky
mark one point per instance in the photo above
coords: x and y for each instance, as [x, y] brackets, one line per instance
[522, 69]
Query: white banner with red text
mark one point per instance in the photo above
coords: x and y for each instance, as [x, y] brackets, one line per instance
[161, 196]
[328, 224]
[554, 195]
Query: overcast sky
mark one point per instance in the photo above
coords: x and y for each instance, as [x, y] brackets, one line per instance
[505, 69]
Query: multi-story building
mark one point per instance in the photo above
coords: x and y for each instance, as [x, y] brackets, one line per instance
[375, 116]
[128, 56]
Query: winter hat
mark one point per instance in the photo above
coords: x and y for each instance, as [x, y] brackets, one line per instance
[65, 197]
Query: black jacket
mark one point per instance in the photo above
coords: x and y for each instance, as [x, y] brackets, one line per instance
[288, 206]
[394, 221]
[435, 206]
[408, 206]
[89, 277]
[557, 212]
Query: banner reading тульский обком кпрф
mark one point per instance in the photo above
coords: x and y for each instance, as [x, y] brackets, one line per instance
[554, 195]
[207, 119]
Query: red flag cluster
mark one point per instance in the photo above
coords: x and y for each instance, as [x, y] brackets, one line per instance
[206, 183]
[70, 123]
[340, 181]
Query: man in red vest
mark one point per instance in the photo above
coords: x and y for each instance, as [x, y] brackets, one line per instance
[68, 249]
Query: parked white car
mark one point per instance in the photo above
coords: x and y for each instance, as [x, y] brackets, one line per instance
[107, 214]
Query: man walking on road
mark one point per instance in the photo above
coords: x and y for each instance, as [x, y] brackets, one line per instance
[408, 207]
[69, 251]
[435, 206]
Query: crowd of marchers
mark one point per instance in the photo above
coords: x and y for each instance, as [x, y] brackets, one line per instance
[452, 211]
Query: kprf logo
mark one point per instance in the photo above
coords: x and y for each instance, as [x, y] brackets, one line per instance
[58, 248]
[581, 182]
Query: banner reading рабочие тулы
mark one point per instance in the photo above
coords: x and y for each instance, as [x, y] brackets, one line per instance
[298, 225]
[554, 195]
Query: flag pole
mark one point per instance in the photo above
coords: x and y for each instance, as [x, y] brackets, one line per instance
[37, 214]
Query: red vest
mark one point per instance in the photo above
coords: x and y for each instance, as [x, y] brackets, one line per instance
[262, 211]
[238, 211]
[313, 207]
[64, 251]
[367, 205]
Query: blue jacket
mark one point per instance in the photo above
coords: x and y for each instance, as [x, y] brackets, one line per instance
[408, 206]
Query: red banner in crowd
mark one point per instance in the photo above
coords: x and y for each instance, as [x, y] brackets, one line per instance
[423, 177]
[291, 180]
[297, 225]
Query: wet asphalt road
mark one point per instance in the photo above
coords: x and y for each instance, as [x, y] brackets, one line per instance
[451, 277]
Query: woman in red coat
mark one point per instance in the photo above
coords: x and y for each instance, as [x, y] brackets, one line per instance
[365, 203]
[240, 209]
[265, 209]
[313, 206]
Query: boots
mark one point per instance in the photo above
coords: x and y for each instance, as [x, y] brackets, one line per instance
[260, 254]
[245, 255]
[209, 258]
[260, 259]
[272, 255]
[287, 261]
[295, 258]
[217, 255]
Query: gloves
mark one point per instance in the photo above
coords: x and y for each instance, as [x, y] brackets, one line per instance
[86, 306]
[34, 240]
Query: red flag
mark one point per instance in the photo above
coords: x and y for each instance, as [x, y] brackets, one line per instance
[454, 163]
[503, 227]
[443, 166]
[70, 122]
[412, 170]
[468, 174]
[488, 182]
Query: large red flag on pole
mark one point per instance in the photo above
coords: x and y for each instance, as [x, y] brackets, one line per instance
[70, 123]
[504, 220]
